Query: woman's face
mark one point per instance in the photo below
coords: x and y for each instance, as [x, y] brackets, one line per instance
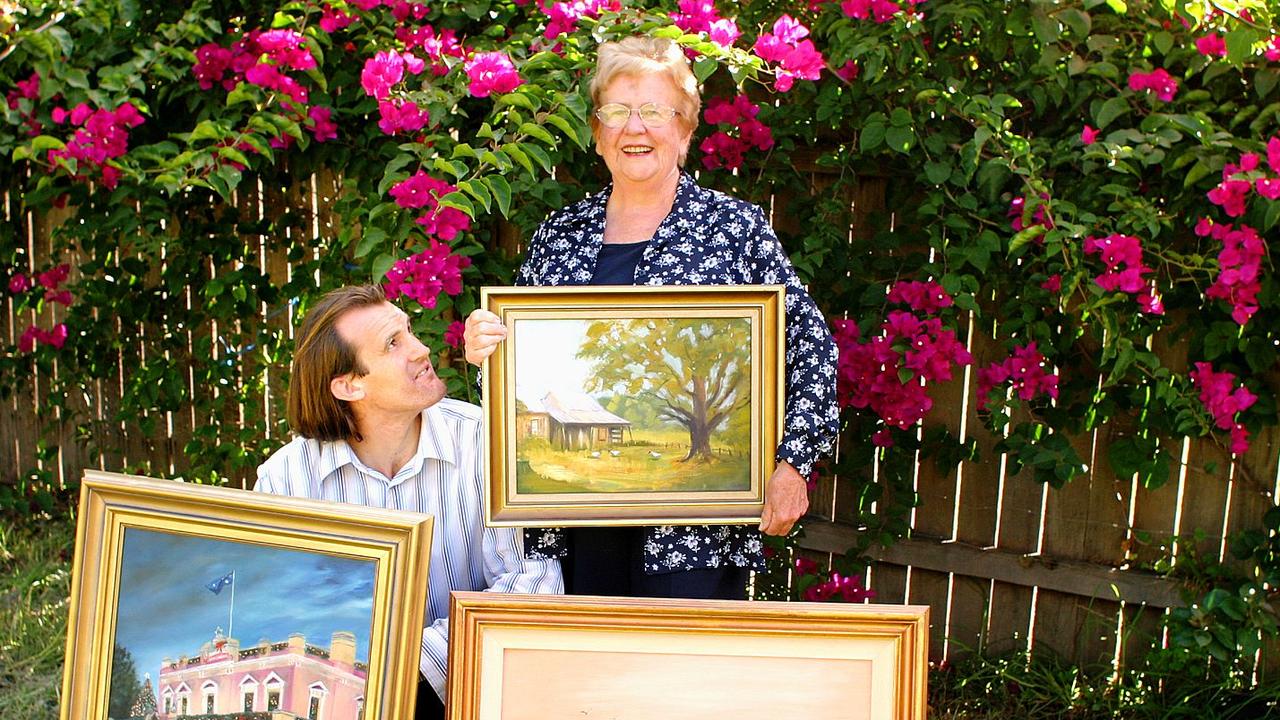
[636, 153]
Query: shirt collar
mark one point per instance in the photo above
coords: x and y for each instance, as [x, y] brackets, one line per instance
[435, 442]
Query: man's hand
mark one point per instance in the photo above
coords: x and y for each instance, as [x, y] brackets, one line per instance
[786, 498]
[483, 332]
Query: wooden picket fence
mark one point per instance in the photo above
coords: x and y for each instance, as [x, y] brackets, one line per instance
[1005, 562]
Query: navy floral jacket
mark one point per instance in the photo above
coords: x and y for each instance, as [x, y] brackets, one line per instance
[709, 238]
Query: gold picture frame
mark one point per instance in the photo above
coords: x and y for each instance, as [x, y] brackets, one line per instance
[527, 657]
[156, 562]
[612, 405]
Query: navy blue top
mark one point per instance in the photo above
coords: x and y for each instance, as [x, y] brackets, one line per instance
[616, 264]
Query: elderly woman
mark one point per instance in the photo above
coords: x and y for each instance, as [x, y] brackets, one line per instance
[654, 225]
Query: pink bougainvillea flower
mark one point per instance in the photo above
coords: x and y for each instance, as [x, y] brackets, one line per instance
[453, 335]
[491, 72]
[1157, 81]
[27, 341]
[1239, 267]
[794, 56]
[564, 16]
[19, 283]
[401, 116]
[322, 126]
[848, 72]
[50, 279]
[1026, 372]
[425, 275]
[727, 148]
[1212, 45]
[1224, 400]
[419, 190]
[1088, 135]
[923, 297]
[382, 72]
[1268, 188]
[1231, 195]
[333, 19]
[1053, 284]
[881, 11]
[1272, 52]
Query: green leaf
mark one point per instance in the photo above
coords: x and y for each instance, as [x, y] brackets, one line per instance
[1119, 6]
[381, 265]
[871, 137]
[538, 132]
[501, 192]
[937, 172]
[539, 155]
[463, 150]
[479, 191]
[518, 154]
[370, 239]
[704, 67]
[41, 144]
[233, 155]
[243, 93]
[1079, 21]
[1110, 110]
[1240, 44]
[445, 166]
[1162, 41]
[518, 99]
[207, 130]
[899, 139]
[567, 128]
[459, 201]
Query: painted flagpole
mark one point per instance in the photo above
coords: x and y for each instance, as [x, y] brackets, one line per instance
[231, 615]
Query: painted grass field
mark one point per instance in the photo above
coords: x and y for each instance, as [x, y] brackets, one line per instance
[629, 468]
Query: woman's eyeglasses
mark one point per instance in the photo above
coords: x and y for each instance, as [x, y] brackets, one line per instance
[652, 114]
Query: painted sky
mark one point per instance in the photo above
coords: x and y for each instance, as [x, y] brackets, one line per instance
[165, 610]
[546, 361]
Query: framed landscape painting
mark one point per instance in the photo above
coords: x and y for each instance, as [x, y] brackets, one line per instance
[632, 405]
[191, 600]
[530, 657]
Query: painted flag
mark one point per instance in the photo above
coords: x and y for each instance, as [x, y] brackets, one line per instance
[216, 586]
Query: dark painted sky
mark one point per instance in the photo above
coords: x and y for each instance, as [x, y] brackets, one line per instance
[165, 610]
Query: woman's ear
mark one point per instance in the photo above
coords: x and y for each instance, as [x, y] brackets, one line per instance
[349, 387]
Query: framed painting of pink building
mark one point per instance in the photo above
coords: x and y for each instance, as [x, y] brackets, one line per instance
[191, 600]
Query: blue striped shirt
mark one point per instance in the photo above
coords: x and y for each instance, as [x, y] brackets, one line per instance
[445, 479]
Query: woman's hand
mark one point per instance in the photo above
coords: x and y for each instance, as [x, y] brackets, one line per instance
[483, 332]
[786, 498]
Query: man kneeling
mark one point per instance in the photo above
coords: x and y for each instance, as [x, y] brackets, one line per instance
[375, 429]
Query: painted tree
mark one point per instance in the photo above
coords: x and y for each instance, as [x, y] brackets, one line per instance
[697, 370]
[145, 706]
[124, 683]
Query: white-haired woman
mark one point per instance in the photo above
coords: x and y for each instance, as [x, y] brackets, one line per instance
[654, 225]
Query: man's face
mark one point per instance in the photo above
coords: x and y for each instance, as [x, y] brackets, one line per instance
[400, 377]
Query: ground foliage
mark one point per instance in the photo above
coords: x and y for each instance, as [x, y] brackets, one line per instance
[1094, 178]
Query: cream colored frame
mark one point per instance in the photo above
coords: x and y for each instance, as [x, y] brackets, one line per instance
[505, 506]
[398, 542]
[888, 643]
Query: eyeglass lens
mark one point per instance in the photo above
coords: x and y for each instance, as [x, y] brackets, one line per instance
[615, 115]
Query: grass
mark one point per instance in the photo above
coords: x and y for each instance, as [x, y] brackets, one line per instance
[647, 467]
[991, 688]
[35, 573]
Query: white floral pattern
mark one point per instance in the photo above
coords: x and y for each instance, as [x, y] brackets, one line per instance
[708, 238]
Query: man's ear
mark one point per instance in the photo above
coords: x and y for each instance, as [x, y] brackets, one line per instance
[349, 387]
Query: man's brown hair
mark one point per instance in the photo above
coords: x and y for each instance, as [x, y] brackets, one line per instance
[320, 355]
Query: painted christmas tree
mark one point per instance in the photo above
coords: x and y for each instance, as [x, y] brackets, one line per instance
[145, 705]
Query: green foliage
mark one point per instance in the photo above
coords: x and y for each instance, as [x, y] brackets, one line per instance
[35, 580]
